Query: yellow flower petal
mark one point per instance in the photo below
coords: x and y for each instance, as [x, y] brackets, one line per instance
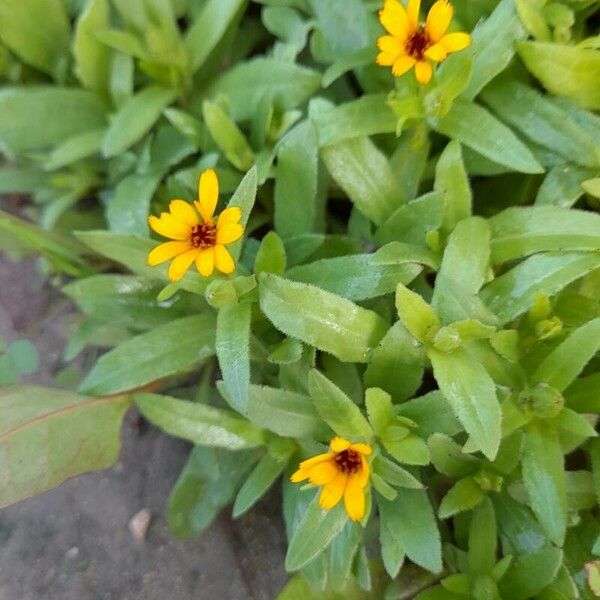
[423, 72]
[412, 10]
[208, 194]
[181, 264]
[385, 60]
[454, 42]
[354, 498]
[167, 251]
[310, 462]
[169, 227]
[339, 444]
[205, 262]
[390, 45]
[436, 53]
[323, 473]
[183, 211]
[402, 65]
[364, 449]
[233, 214]
[223, 260]
[229, 233]
[332, 493]
[438, 20]
[394, 19]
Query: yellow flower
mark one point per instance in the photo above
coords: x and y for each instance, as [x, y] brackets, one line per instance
[343, 472]
[195, 235]
[412, 44]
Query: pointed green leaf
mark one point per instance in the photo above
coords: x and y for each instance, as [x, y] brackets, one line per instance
[472, 394]
[321, 319]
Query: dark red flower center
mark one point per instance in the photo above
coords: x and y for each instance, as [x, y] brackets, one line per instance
[416, 44]
[348, 461]
[204, 235]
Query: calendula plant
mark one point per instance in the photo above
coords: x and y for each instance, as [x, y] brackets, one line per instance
[379, 288]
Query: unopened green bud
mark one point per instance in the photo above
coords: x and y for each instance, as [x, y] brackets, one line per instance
[548, 328]
[543, 401]
[221, 293]
[446, 339]
[488, 481]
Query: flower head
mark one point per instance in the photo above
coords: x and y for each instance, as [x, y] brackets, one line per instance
[343, 472]
[196, 237]
[411, 43]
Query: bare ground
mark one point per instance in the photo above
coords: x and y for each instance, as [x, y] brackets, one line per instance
[73, 543]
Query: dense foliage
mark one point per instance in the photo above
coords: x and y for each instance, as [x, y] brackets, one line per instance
[419, 274]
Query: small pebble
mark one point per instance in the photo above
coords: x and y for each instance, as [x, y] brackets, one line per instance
[138, 525]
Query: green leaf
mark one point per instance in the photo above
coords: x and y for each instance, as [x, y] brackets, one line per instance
[562, 186]
[411, 223]
[493, 46]
[475, 127]
[244, 198]
[452, 182]
[314, 534]
[365, 175]
[380, 409]
[471, 392]
[259, 481]
[199, 424]
[209, 27]
[513, 293]
[270, 257]
[449, 459]
[321, 319]
[130, 204]
[125, 300]
[286, 413]
[75, 148]
[396, 364]
[336, 409]
[356, 277]
[35, 453]
[394, 474]
[410, 449]
[564, 70]
[391, 551]
[520, 231]
[529, 574]
[464, 267]
[37, 31]
[165, 351]
[233, 351]
[25, 127]
[366, 116]
[250, 83]
[544, 479]
[542, 121]
[562, 366]
[482, 539]
[411, 521]
[63, 252]
[431, 413]
[296, 182]
[463, 495]
[207, 483]
[92, 57]
[228, 136]
[135, 118]
[416, 315]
